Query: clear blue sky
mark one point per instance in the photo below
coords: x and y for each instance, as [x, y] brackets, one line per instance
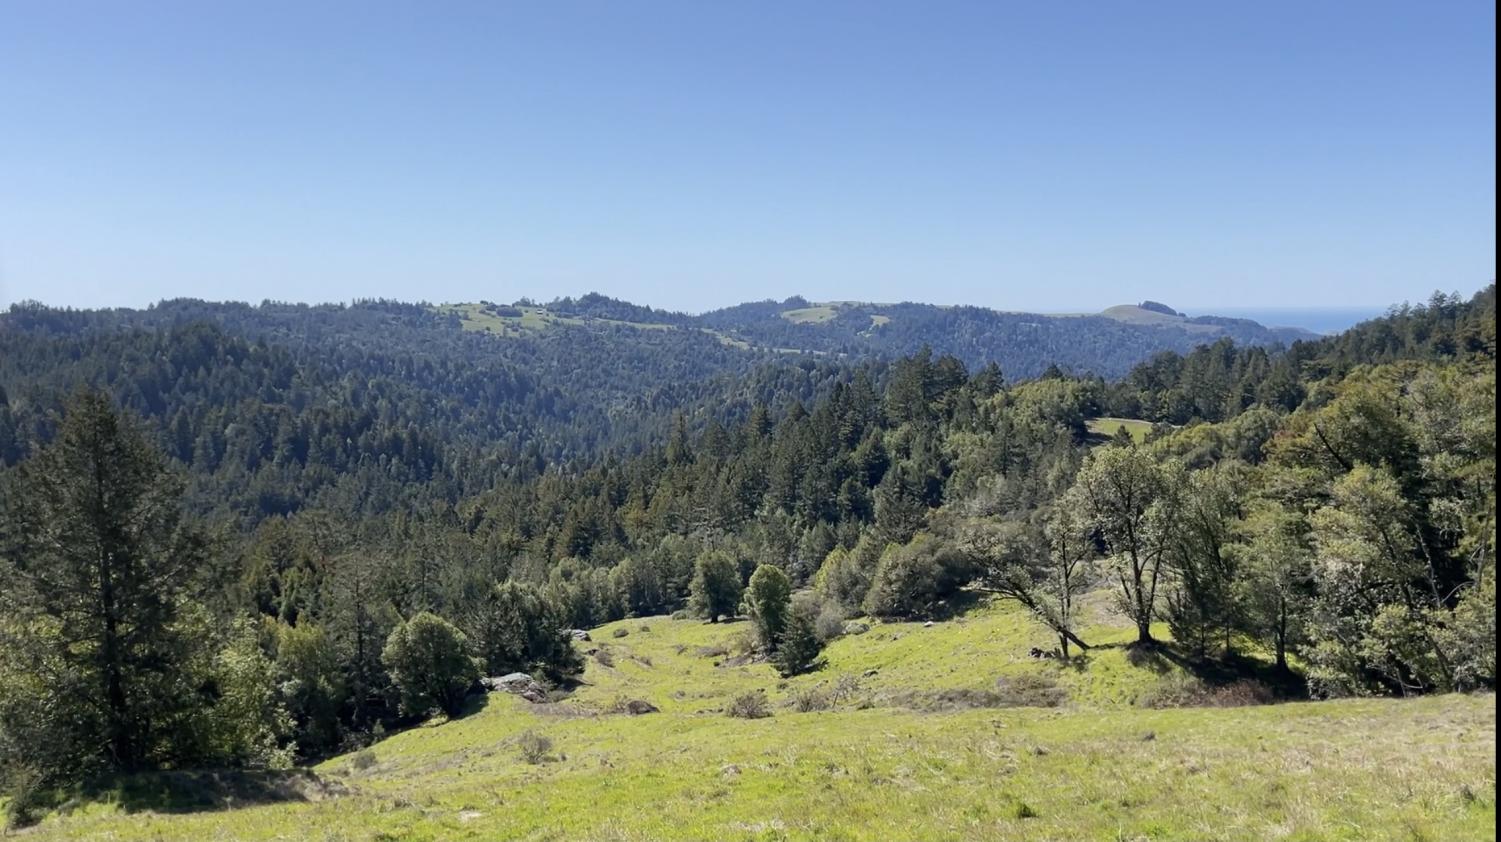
[1027, 155]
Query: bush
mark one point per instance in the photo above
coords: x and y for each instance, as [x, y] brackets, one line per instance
[429, 663]
[716, 587]
[362, 760]
[767, 603]
[810, 699]
[749, 706]
[844, 578]
[519, 628]
[912, 579]
[829, 624]
[533, 747]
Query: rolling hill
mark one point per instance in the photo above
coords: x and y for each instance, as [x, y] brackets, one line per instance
[911, 731]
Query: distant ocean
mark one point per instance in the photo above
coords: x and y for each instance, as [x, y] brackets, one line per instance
[1316, 319]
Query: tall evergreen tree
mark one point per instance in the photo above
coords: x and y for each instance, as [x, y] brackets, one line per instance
[99, 565]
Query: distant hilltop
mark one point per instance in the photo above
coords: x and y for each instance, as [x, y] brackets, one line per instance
[1023, 344]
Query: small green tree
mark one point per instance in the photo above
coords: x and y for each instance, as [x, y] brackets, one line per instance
[248, 720]
[845, 575]
[798, 649]
[428, 659]
[312, 684]
[912, 579]
[767, 603]
[716, 587]
[518, 628]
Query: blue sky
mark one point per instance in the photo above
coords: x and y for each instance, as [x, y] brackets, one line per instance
[1047, 156]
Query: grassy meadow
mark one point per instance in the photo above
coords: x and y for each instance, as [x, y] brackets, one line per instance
[1106, 427]
[908, 732]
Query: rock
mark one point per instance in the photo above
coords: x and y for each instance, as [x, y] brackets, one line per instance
[872, 673]
[729, 770]
[622, 632]
[928, 624]
[856, 627]
[580, 635]
[637, 707]
[519, 684]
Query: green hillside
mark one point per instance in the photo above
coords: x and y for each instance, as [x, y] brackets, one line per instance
[921, 740]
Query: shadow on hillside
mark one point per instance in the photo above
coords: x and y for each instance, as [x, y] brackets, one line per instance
[1219, 671]
[192, 791]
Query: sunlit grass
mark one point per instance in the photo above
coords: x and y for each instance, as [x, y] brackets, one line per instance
[1100, 767]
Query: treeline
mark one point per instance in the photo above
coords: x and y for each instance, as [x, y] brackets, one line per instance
[1217, 382]
[1344, 526]
[1024, 344]
[275, 409]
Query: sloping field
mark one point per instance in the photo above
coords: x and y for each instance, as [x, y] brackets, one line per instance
[909, 732]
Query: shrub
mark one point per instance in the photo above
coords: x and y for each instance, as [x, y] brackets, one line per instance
[912, 579]
[1030, 690]
[844, 578]
[749, 706]
[716, 587]
[362, 760]
[429, 663]
[519, 628]
[533, 747]
[767, 603]
[810, 699]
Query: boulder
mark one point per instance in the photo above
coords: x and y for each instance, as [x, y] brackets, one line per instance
[517, 683]
[637, 707]
[579, 635]
[856, 627]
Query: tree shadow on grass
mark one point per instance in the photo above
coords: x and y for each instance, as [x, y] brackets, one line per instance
[1221, 671]
[203, 790]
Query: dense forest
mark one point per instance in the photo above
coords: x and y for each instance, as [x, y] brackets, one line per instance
[250, 536]
[1023, 344]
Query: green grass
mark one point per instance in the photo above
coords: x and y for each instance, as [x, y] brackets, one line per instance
[811, 315]
[1132, 314]
[1099, 767]
[1107, 426]
[474, 317]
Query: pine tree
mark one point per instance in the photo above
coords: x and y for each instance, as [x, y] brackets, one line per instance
[96, 551]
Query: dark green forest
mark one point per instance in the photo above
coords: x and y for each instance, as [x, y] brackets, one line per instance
[254, 536]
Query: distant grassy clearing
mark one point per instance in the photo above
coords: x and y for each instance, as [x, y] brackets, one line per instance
[1107, 427]
[811, 315]
[474, 317]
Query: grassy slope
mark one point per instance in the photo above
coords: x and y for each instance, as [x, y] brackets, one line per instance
[1132, 314]
[474, 318]
[1106, 426]
[1099, 768]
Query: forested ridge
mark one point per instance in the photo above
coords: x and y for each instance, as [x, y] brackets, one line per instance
[252, 536]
